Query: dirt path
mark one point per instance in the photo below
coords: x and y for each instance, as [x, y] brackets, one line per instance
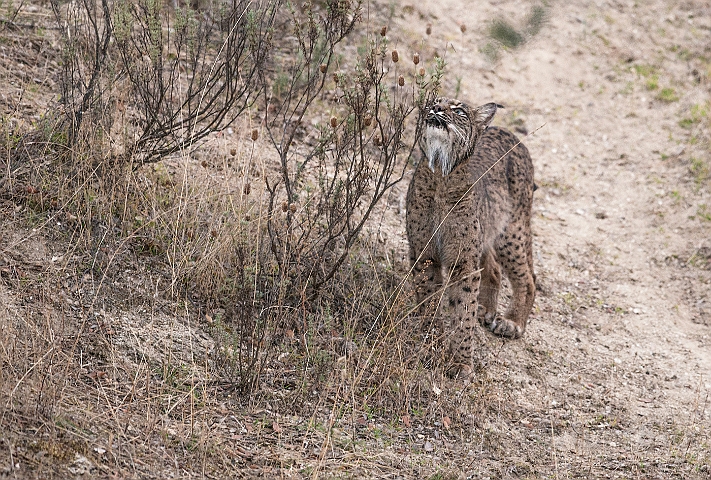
[621, 235]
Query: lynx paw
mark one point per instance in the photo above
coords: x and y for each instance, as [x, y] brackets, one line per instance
[502, 327]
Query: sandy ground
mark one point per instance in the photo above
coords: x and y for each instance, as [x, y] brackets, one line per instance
[621, 244]
[613, 376]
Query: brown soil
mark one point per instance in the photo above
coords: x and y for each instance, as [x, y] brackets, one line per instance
[611, 380]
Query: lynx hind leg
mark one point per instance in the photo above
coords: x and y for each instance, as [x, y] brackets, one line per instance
[515, 255]
[489, 289]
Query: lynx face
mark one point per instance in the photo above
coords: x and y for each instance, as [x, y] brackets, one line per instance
[452, 130]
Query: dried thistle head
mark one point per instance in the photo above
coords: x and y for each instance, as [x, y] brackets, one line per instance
[463, 28]
[395, 56]
[292, 207]
[383, 31]
[422, 71]
[367, 120]
[416, 58]
[204, 164]
[334, 122]
[255, 135]
[284, 206]
[401, 81]
[323, 67]
[429, 29]
[233, 152]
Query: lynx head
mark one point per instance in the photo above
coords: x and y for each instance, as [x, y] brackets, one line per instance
[452, 129]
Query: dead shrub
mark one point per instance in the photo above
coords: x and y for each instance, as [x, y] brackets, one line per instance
[257, 254]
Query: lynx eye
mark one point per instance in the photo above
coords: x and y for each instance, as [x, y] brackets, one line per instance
[459, 111]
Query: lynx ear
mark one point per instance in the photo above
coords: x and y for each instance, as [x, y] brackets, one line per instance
[484, 114]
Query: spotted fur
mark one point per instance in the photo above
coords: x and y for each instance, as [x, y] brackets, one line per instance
[465, 224]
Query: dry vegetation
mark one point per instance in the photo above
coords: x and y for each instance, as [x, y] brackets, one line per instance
[202, 268]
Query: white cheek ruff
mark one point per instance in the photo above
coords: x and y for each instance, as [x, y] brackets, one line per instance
[439, 150]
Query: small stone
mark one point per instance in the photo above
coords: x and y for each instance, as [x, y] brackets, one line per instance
[678, 151]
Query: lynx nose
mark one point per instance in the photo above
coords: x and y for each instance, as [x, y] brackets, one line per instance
[436, 108]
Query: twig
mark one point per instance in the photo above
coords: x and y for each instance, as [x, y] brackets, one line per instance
[17, 25]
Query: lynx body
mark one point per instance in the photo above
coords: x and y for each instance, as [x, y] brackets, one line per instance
[469, 217]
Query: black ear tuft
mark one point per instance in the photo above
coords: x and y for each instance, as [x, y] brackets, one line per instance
[484, 114]
[498, 105]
